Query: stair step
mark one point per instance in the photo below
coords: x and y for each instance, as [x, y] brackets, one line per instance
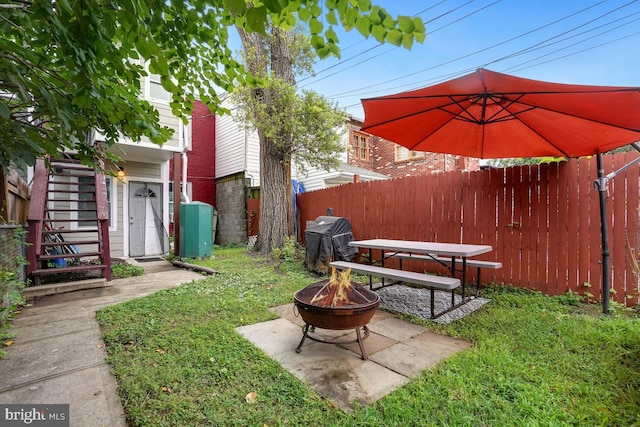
[74, 183]
[58, 270]
[75, 256]
[69, 243]
[71, 191]
[70, 210]
[70, 166]
[65, 160]
[69, 220]
[83, 230]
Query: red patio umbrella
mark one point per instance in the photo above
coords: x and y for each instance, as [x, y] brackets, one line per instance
[492, 115]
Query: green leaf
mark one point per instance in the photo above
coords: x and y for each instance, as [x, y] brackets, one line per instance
[406, 24]
[315, 26]
[388, 21]
[323, 52]
[315, 10]
[349, 19]
[331, 18]
[273, 5]
[394, 37]
[257, 19]
[335, 49]
[5, 113]
[364, 5]
[363, 25]
[379, 33]
[304, 14]
[331, 36]
[317, 42]
[407, 41]
[420, 37]
[419, 25]
[374, 16]
[236, 7]
[289, 21]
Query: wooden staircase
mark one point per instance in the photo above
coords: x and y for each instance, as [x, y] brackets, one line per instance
[68, 220]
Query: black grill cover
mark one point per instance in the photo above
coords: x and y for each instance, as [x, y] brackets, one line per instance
[327, 240]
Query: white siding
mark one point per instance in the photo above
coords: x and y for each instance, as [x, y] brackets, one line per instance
[314, 178]
[237, 149]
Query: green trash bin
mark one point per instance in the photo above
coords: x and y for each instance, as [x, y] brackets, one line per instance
[196, 230]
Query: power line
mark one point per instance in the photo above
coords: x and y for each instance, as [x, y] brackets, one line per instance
[470, 54]
[380, 45]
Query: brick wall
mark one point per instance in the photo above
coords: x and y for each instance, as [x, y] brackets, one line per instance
[382, 159]
[201, 169]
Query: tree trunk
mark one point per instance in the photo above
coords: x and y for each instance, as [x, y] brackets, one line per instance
[276, 202]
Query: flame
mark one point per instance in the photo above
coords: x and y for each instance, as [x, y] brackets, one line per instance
[336, 292]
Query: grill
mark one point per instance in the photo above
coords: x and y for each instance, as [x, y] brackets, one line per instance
[327, 239]
[337, 305]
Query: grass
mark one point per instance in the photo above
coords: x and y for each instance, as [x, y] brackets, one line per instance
[535, 361]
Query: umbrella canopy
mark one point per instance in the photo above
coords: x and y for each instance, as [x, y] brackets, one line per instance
[492, 115]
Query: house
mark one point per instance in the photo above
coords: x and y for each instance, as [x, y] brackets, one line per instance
[395, 161]
[198, 162]
[135, 208]
[366, 158]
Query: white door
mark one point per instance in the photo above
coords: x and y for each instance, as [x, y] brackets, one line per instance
[146, 231]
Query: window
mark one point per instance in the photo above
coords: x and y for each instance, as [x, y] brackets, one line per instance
[403, 153]
[361, 146]
[86, 202]
[110, 204]
[156, 91]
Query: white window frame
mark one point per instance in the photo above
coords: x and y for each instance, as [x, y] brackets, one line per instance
[154, 79]
[410, 155]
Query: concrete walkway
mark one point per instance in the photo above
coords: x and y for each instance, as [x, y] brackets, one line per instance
[58, 355]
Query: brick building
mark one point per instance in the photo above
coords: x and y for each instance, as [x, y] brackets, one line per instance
[390, 159]
[200, 162]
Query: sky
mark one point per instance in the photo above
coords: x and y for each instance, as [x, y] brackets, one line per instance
[566, 41]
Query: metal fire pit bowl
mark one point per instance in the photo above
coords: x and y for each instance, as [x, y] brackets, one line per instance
[353, 316]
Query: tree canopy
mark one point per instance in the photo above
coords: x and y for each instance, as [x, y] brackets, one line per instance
[70, 67]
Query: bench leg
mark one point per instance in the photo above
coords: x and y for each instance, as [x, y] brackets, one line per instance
[478, 283]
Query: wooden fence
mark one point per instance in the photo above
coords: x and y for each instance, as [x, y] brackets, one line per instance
[14, 199]
[543, 221]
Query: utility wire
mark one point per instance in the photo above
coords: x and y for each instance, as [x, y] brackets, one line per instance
[376, 46]
[469, 54]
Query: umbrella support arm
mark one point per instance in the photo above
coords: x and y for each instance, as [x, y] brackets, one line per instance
[623, 168]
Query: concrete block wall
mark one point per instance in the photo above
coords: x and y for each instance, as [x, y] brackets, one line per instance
[232, 210]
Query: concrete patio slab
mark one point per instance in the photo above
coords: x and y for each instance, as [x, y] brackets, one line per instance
[398, 351]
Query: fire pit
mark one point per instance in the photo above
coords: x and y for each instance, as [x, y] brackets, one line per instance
[336, 304]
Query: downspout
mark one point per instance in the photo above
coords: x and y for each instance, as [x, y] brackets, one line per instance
[185, 162]
[245, 166]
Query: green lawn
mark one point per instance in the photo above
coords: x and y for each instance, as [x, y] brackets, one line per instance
[535, 361]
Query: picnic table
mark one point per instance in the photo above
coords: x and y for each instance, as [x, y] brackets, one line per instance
[454, 256]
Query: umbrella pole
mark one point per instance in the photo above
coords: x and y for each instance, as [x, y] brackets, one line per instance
[601, 184]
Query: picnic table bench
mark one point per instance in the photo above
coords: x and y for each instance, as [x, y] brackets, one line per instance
[449, 263]
[430, 281]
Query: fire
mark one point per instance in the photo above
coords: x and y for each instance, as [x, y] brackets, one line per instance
[337, 292]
